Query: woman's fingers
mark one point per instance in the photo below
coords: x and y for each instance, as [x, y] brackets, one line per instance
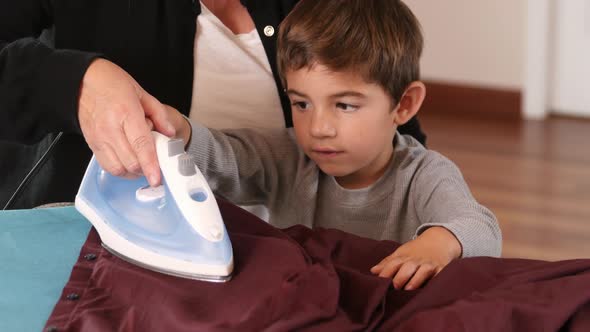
[113, 121]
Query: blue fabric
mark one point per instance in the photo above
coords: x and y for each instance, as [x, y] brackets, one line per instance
[38, 249]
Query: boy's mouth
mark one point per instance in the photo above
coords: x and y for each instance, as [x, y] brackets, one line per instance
[325, 152]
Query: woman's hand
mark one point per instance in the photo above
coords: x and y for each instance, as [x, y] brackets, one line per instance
[116, 117]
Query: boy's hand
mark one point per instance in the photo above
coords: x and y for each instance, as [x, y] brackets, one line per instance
[417, 261]
[181, 125]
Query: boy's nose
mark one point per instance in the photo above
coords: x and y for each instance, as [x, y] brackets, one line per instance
[322, 125]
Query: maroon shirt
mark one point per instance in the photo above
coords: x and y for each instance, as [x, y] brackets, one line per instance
[319, 280]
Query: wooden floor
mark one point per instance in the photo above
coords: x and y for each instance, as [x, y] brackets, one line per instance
[534, 175]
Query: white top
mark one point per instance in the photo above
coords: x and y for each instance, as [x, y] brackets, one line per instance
[234, 86]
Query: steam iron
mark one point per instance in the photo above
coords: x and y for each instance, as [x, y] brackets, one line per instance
[175, 228]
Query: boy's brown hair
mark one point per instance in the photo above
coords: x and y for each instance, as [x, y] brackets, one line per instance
[381, 40]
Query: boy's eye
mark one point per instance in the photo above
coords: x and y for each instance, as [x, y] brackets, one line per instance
[302, 105]
[347, 107]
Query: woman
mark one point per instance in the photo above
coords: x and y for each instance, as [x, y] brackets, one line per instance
[114, 65]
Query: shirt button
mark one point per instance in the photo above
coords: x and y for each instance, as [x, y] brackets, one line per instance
[73, 297]
[90, 257]
[269, 31]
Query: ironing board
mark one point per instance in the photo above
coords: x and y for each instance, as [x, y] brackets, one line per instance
[37, 251]
[319, 280]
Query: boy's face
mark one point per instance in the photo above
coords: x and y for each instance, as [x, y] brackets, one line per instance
[342, 123]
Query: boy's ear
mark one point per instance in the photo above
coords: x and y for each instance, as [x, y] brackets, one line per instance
[410, 102]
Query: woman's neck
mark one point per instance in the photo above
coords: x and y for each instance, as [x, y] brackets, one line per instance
[232, 14]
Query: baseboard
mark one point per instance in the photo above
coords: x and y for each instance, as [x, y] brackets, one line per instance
[466, 100]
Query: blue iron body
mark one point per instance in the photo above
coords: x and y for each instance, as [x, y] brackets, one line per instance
[154, 234]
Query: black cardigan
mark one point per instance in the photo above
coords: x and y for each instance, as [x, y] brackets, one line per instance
[39, 85]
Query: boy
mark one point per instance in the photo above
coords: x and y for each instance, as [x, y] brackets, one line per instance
[350, 68]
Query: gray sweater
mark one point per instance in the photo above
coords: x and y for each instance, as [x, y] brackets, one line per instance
[420, 189]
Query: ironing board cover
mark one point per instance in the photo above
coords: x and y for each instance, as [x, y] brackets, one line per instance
[319, 280]
[37, 250]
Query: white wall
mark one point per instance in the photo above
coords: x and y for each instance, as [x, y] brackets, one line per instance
[535, 98]
[570, 74]
[479, 42]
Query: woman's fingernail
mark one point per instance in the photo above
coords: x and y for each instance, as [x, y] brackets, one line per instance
[152, 180]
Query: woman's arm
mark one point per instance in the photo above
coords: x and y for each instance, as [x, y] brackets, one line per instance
[38, 85]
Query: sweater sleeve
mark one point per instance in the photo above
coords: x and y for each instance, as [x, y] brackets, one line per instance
[442, 198]
[39, 86]
[246, 166]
